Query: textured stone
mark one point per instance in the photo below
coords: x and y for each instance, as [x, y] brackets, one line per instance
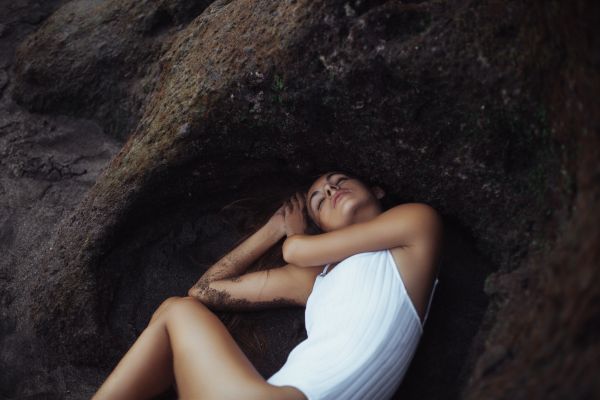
[463, 105]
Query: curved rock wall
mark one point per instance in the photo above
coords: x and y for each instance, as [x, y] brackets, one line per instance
[457, 104]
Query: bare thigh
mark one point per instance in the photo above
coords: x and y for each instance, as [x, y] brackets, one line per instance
[208, 362]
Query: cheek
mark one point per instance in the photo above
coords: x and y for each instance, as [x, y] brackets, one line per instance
[363, 194]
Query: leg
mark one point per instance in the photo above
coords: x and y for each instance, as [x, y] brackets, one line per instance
[208, 363]
[146, 370]
[164, 305]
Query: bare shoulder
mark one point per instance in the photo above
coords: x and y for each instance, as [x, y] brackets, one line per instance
[426, 225]
[422, 216]
[417, 263]
[419, 210]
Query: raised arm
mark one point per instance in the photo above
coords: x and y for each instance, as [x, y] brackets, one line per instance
[224, 286]
[237, 261]
[411, 224]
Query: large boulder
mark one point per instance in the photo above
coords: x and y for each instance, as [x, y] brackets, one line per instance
[98, 59]
[445, 103]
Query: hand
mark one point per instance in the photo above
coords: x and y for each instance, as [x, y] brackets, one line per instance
[277, 220]
[294, 219]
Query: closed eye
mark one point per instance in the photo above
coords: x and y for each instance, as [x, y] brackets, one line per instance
[321, 201]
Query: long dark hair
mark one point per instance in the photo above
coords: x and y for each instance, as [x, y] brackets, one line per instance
[250, 214]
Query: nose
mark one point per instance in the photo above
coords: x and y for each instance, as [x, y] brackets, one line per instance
[329, 189]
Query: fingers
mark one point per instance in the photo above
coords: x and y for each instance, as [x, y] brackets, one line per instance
[281, 210]
[296, 201]
[300, 197]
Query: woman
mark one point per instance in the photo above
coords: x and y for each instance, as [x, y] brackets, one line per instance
[367, 283]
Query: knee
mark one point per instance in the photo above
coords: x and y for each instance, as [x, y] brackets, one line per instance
[168, 302]
[164, 306]
[176, 301]
[180, 306]
[171, 300]
[179, 301]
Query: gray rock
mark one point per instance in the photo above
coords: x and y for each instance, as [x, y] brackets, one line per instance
[408, 95]
[3, 79]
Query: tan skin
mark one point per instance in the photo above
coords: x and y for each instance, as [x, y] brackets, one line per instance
[416, 257]
[186, 345]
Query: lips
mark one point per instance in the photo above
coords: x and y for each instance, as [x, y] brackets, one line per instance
[337, 196]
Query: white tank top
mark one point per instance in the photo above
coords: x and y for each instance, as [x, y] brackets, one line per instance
[363, 331]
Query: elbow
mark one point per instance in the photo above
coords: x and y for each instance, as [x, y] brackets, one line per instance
[199, 289]
[292, 251]
[289, 250]
[200, 296]
[285, 250]
[196, 293]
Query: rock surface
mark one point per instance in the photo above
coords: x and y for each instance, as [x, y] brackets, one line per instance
[483, 110]
[97, 59]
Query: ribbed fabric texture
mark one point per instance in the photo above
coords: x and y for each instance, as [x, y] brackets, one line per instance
[363, 331]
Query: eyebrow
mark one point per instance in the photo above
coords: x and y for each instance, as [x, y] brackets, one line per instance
[327, 179]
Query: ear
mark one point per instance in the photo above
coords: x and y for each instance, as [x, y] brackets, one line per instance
[378, 192]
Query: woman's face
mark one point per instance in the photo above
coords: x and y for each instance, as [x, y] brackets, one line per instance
[336, 200]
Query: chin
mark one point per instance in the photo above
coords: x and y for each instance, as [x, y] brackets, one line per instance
[339, 224]
[347, 213]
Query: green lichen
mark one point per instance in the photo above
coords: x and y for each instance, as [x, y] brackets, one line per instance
[278, 84]
[278, 87]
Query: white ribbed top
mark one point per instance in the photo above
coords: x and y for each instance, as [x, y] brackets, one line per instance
[363, 331]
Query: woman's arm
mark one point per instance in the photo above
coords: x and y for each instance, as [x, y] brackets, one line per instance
[240, 258]
[225, 287]
[413, 224]
[284, 286]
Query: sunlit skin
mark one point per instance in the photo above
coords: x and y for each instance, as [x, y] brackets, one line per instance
[357, 202]
[185, 343]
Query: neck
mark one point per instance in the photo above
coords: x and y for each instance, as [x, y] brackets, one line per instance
[366, 214]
